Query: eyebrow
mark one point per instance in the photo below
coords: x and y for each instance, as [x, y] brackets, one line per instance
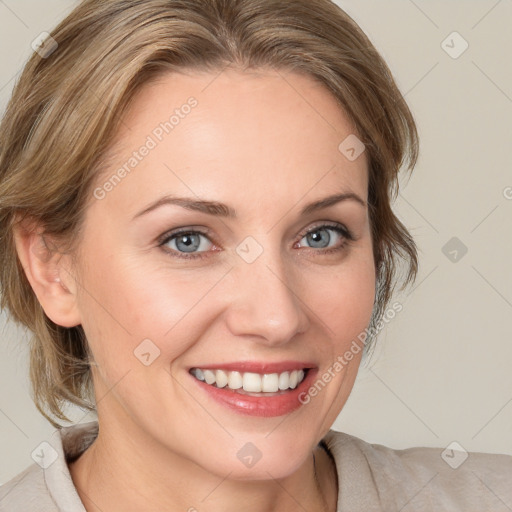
[223, 210]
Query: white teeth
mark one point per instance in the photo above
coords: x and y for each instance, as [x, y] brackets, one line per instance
[269, 382]
[284, 380]
[235, 380]
[221, 378]
[249, 381]
[209, 376]
[293, 379]
[252, 382]
[198, 374]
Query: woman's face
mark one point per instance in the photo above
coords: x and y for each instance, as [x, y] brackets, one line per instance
[255, 287]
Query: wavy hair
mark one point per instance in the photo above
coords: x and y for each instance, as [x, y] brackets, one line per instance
[67, 104]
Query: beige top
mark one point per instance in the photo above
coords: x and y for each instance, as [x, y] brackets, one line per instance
[371, 477]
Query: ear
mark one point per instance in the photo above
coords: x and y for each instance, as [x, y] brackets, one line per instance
[48, 272]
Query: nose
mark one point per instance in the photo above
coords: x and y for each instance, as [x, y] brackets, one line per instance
[266, 300]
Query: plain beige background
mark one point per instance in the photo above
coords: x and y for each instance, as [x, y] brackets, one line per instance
[441, 372]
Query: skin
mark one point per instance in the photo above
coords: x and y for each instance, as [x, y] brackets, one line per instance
[265, 143]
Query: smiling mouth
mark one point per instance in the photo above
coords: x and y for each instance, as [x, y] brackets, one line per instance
[250, 383]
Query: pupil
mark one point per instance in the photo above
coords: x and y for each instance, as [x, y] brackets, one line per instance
[187, 242]
[316, 237]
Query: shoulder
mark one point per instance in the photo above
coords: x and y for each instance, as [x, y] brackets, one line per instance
[27, 491]
[376, 477]
[46, 485]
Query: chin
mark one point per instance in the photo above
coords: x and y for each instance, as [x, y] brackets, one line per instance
[260, 459]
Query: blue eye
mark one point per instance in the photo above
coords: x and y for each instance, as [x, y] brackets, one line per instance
[193, 244]
[323, 239]
[188, 242]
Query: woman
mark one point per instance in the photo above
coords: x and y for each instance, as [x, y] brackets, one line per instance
[195, 203]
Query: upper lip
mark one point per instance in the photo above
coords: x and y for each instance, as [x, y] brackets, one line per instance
[258, 367]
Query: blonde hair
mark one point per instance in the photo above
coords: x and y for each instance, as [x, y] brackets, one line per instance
[66, 107]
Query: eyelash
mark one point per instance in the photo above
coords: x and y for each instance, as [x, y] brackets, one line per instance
[338, 228]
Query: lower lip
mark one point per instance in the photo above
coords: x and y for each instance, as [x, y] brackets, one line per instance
[266, 406]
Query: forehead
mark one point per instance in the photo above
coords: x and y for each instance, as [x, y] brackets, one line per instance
[216, 133]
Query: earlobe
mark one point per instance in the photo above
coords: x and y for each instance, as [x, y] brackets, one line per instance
[49, 273]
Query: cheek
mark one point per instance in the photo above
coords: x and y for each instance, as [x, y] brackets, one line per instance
[127, 303]
[342, 301]
[344, 298]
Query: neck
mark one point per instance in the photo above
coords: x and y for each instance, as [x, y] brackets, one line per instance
[116, 474]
